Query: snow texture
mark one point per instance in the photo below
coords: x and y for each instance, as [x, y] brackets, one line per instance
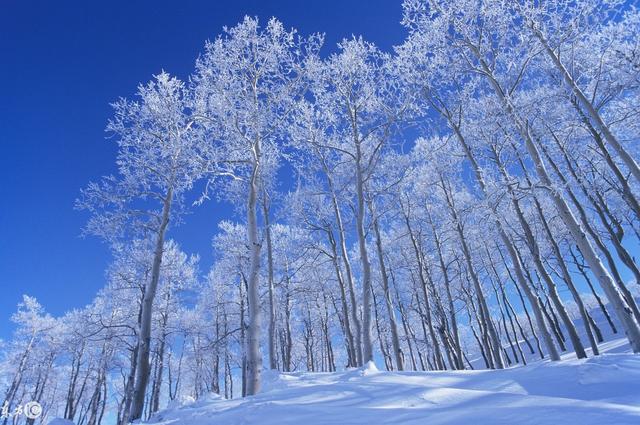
[599, 390]
[58, 421]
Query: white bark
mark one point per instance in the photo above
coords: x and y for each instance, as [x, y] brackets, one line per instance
[144, 337]
[254, 357]
[273, 364]
[395, 340]
[367, 343]
[347, 265]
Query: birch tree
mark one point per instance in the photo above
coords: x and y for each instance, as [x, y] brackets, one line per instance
[246, 84]
[157, 164]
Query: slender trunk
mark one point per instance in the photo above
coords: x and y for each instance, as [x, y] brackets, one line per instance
[367, 344]
[627, 193]
[425, 292]
[524, 306]
[487, 323]
[288, 337]
[155, 395]
[70, 406]
[393, 325]
[428, 331]
[598, 202]
[243, 334]
[569, 281]
[596, 330]
[585, 276]
[351, 350]
[403, 318]
[481, 344]
[562, 264]
[447, 282]
[615, 235]
[273, 364]
[626, 294]
[347, 263]
[144, 337]
[381, 340]
[331, 366]
[254, 357]
[509, 309]
[503, 317]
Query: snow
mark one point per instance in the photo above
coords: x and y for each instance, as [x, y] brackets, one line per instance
[58, 421]
[599, 390]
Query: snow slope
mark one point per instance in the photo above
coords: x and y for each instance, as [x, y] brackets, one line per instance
[603, 390]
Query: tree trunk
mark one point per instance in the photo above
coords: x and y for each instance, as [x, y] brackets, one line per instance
[495, 346]
[447, 282]
[144, 338]
[563, 265]
[347, 264]
[254, 358]
[352, 358]
[425, 294]
[626, 294]
[583, 272]
[508, 308]
[393, 325]
[273, 364]
[530, 295]
[627, 194]
[367, 343]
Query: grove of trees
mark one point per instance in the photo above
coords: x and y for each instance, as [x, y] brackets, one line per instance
[466, 200]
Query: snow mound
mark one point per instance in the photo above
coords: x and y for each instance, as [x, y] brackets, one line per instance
[596, 391]
[369, 369]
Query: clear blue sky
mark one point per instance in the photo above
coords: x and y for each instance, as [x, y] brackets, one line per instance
[61, 64]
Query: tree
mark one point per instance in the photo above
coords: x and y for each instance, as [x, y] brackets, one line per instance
[157, 163]
[246, 85]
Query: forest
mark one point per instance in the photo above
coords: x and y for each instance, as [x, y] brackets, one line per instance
[467, 200]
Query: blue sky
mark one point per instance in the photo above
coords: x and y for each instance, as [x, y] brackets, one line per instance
[61, 64]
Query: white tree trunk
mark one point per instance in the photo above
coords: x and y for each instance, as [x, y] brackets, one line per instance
[273, 364]
[602, 274]
[367, 344]
[395, 340]
[144, 337]
[254, 357]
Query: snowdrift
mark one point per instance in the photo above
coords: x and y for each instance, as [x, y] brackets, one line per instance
[602, 390]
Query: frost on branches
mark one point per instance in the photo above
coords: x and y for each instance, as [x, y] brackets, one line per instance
[467, 200]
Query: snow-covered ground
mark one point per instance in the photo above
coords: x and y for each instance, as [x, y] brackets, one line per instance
[599, 390]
